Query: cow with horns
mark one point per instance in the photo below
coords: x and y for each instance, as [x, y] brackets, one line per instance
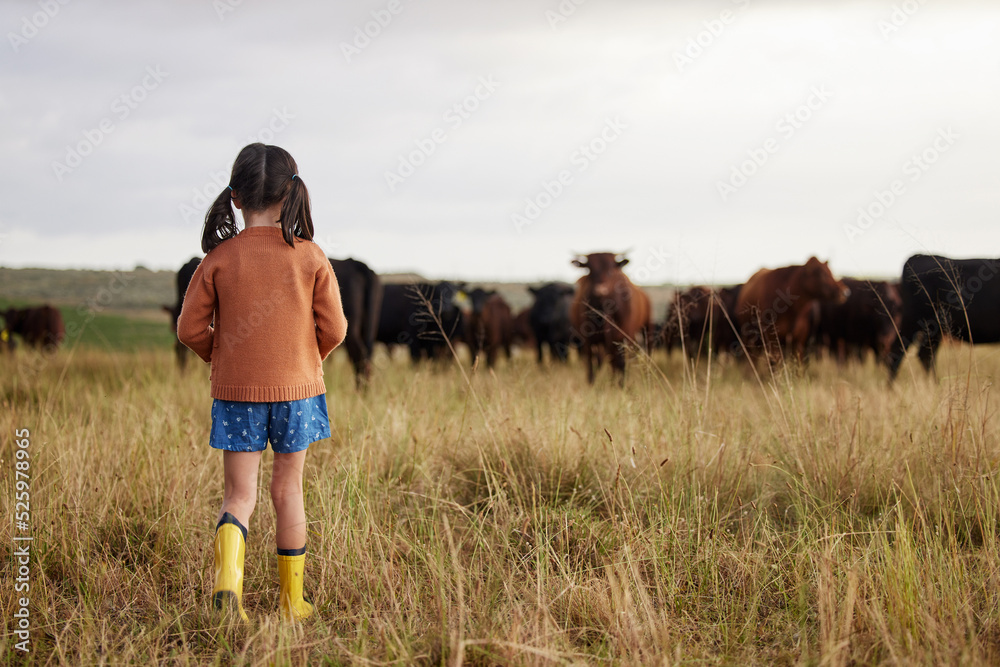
[608, 311]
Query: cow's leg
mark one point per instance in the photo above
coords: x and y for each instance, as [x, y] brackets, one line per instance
[588, 360]
[356, 351]
[841, 352]
[896, 354]
[773, 349]
[541, 355]
[902, 339]
[180, 352]
[618, 360]
[799, 338]
[928, 351]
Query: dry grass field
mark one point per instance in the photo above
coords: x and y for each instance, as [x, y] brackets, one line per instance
[521, 517]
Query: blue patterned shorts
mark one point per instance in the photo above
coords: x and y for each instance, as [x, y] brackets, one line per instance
[290, 426]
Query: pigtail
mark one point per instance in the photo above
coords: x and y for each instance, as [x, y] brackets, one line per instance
[220, 222]
[296, 215]
[262, 176]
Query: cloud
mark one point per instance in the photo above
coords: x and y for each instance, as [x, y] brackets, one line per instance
[353, 119]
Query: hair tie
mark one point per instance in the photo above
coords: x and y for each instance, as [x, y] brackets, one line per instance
[293, 176]
[230, 187]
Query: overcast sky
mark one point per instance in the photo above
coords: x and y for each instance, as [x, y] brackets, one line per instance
[491, 140]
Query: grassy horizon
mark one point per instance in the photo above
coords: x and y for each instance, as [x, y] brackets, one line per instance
[523, 517]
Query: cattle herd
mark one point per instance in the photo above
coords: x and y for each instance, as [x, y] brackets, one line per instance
[793, 312]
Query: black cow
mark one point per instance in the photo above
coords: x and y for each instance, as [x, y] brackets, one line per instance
[868, 320]
[724, 328]
[183, 280]
[422, 316]
[700, 320]
[39, 326]
[941, 296]
[549, 318]
[361, 293]
[688, 325]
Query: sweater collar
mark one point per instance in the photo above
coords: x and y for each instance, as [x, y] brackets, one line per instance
[261, 231]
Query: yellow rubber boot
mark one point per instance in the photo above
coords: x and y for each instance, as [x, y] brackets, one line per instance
[291, 569]
[230, 548]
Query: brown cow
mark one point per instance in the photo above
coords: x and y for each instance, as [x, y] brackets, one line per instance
[490, 325]
[776, 308]
[41, 326]
[523, 334]
[608, 311]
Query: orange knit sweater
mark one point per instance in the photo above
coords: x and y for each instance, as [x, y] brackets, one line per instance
[276, 311]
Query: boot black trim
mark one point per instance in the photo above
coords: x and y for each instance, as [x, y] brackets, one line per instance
[292, 552]
[229, 518]
[225, 600]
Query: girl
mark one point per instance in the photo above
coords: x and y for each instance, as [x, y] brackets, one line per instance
[264, 309]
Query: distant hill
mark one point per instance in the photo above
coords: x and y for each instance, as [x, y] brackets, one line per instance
[142, 289]
[112, 290]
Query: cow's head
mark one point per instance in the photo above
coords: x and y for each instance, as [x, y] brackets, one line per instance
[478, 298]
[552, 291]
[14, 318]
[603, 267]
[552, 301]
[818, 281]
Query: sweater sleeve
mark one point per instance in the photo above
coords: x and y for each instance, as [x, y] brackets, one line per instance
[194, 325]
[328, 311]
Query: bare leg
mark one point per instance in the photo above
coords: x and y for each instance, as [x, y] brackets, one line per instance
[286, 494]
[240, 495]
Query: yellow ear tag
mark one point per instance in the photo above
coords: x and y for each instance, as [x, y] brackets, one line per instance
[4, 335]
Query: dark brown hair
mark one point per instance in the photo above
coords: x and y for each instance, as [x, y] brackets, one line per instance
[262, 176]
